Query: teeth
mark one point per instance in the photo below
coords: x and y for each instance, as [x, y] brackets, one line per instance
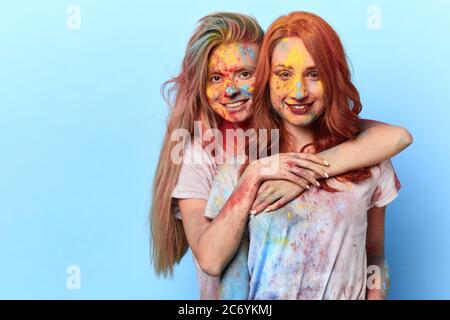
[298, 107]
[236, 104]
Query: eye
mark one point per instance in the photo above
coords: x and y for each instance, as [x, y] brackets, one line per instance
[314, 75]
[215, 79]
[245, 75]
[284, 75]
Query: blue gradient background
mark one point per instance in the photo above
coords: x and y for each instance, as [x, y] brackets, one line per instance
[82, 120]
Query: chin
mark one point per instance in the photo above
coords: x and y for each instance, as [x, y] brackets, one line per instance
[238, 118]
[303, 123]
[237, 121]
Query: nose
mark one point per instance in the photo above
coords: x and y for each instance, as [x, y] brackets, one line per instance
[231, 90]
[299, 91]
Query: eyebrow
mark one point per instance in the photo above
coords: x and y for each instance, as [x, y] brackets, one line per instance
[309, 68]
[244, 68]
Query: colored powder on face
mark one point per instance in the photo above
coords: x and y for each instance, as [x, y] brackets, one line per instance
[242, 51]
[299, 92]
[247, 90]
[209, 92]
[230, 90]
[226, 56]
[295, 57]
[313, 117]
[250, 52]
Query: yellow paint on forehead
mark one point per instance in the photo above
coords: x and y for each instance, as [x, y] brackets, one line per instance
[224, 56]
[291, 53]
[229, 55]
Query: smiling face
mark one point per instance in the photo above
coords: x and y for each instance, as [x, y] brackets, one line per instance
[231, 76]
[296, 91]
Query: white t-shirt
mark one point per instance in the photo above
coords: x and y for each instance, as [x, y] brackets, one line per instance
[196, 175]
[315, 246]
[194, 182]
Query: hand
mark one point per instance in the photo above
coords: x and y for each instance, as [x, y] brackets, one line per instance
[300, 168]
[274, 194]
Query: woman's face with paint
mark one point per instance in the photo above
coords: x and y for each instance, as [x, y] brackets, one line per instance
[231, 76]
[296, 91]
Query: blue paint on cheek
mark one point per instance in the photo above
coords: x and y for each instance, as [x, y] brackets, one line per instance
[299, 92]
[246, 90]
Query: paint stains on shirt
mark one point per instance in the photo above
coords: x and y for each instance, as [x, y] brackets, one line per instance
[314, 247]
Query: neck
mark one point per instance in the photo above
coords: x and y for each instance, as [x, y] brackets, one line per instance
[230, 125]
[302, 135]
[225, 124]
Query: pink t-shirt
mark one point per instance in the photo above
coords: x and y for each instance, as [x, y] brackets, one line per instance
[194, 182]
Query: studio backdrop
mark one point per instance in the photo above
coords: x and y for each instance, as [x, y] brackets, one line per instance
[82, 120]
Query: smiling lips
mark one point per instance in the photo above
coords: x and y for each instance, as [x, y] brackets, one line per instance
[298, 108]
[235, 106]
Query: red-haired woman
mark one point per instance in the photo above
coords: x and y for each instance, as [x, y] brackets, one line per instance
[322, 244]
[215, 88]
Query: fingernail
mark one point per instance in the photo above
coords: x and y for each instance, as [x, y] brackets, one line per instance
[252, 212]
[267, 209]
[307, 187]
[317, 183]
[326, 163]
[325, 175]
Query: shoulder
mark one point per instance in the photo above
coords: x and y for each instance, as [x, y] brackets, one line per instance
[382, 169]
[195, 154]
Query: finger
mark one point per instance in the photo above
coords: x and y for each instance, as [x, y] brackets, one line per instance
[281, 202]
[285, 174]
[318, 170]
[259, 199]
[305, 174]
[314, 158]
[297, 180]
[267, 204]
[264, 186]
[261, 207]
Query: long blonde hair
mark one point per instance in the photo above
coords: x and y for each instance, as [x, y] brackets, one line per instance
[187, 91]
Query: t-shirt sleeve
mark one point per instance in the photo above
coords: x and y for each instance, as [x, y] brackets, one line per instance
[387, 187]
[225, 180]
[195, 178]
[193, 182]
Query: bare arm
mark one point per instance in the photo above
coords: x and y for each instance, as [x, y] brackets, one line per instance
[378, 273]
[377, 142]
[214, 242]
